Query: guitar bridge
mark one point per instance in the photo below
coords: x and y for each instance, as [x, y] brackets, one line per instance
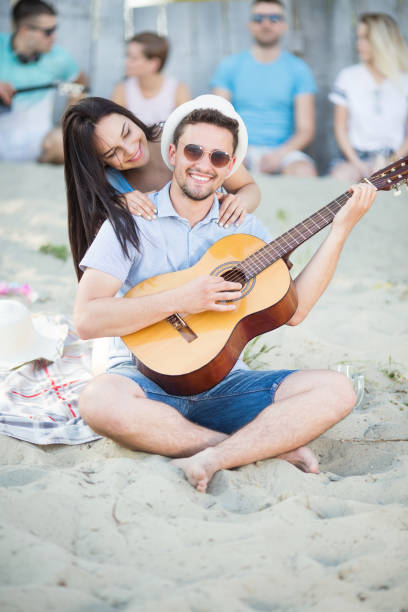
[181, 326]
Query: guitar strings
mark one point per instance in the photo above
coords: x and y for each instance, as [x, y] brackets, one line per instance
[266, 255]
[271, 252]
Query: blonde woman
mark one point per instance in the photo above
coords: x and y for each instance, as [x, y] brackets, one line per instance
[371, 101]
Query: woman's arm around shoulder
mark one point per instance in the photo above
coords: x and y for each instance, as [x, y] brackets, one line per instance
[243, 197]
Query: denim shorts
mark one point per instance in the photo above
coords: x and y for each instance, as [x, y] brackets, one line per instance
[227, 407]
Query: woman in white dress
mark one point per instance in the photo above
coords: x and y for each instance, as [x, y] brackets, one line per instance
[371, 101]
[147, 92]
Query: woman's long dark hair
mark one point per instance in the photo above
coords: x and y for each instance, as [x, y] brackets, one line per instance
[91, 198]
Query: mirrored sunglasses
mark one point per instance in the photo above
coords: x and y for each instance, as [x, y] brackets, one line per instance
[218, 158]
[274, 18]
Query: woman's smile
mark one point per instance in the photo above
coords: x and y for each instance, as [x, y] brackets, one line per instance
[136, 156]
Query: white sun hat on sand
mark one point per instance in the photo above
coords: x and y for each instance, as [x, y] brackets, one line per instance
[206, 101]
[24, 337]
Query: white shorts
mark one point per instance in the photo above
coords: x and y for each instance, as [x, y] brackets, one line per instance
[23, 129]
[255, 154]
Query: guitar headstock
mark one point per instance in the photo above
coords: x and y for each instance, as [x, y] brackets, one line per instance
[392, 176]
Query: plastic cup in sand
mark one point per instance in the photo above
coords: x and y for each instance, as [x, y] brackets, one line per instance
[356, 378]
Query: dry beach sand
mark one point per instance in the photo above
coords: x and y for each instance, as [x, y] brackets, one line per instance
[99, 528]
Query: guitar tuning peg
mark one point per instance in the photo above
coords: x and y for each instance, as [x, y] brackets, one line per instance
[397, 191]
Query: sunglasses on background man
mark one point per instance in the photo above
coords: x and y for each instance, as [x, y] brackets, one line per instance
[259, 18]
[46, 31]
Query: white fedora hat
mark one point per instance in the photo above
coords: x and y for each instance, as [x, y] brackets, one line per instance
[207, 101]
[25, 338]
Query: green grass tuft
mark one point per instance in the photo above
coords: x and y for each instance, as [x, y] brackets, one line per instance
[59, 251]
[393, 371]
[281, 215]
[253, 354]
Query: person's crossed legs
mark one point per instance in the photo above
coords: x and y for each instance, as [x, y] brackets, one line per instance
[305, 405]
[116, 407]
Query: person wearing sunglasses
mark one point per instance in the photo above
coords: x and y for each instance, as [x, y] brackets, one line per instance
[274, 91]
[113, 160]
[249, 415]
[29, 57]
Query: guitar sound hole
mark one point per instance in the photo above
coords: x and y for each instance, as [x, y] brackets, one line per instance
[231, 271]
[234, 275]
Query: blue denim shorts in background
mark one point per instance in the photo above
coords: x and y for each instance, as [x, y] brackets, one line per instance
[227, 407]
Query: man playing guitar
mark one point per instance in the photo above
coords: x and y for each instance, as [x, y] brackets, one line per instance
[249, 415]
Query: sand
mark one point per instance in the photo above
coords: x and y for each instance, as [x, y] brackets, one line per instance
[99, 528]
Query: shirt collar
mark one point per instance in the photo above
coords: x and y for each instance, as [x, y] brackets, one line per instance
[165, 207]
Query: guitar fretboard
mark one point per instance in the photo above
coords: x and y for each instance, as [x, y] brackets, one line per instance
[290, 240]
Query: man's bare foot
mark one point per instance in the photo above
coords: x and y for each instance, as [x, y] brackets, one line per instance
[302, 458]
[198, 469]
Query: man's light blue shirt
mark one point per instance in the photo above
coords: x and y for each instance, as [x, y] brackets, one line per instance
[264, 93]
[167, 244]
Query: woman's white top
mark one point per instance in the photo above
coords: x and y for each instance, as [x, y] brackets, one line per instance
[151, 110]
[378, 113]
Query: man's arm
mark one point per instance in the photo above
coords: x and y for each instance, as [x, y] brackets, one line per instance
[303, 136]
[313, 280]
[97, 313]
[305, 123]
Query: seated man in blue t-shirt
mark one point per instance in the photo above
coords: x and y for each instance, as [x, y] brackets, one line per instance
[273, 91]
[248, 415]
[29, 58]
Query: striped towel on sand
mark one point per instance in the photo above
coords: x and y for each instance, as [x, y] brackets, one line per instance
[39, 401]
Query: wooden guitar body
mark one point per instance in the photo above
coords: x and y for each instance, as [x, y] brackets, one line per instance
[193, 359]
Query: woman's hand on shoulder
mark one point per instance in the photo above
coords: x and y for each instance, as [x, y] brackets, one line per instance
[243, 197]
[140, 205]
[231, 209]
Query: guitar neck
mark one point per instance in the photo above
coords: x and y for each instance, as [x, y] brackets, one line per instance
[37, 87]
[290, 240]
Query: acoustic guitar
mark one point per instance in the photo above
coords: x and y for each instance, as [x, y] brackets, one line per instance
[188, 354]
